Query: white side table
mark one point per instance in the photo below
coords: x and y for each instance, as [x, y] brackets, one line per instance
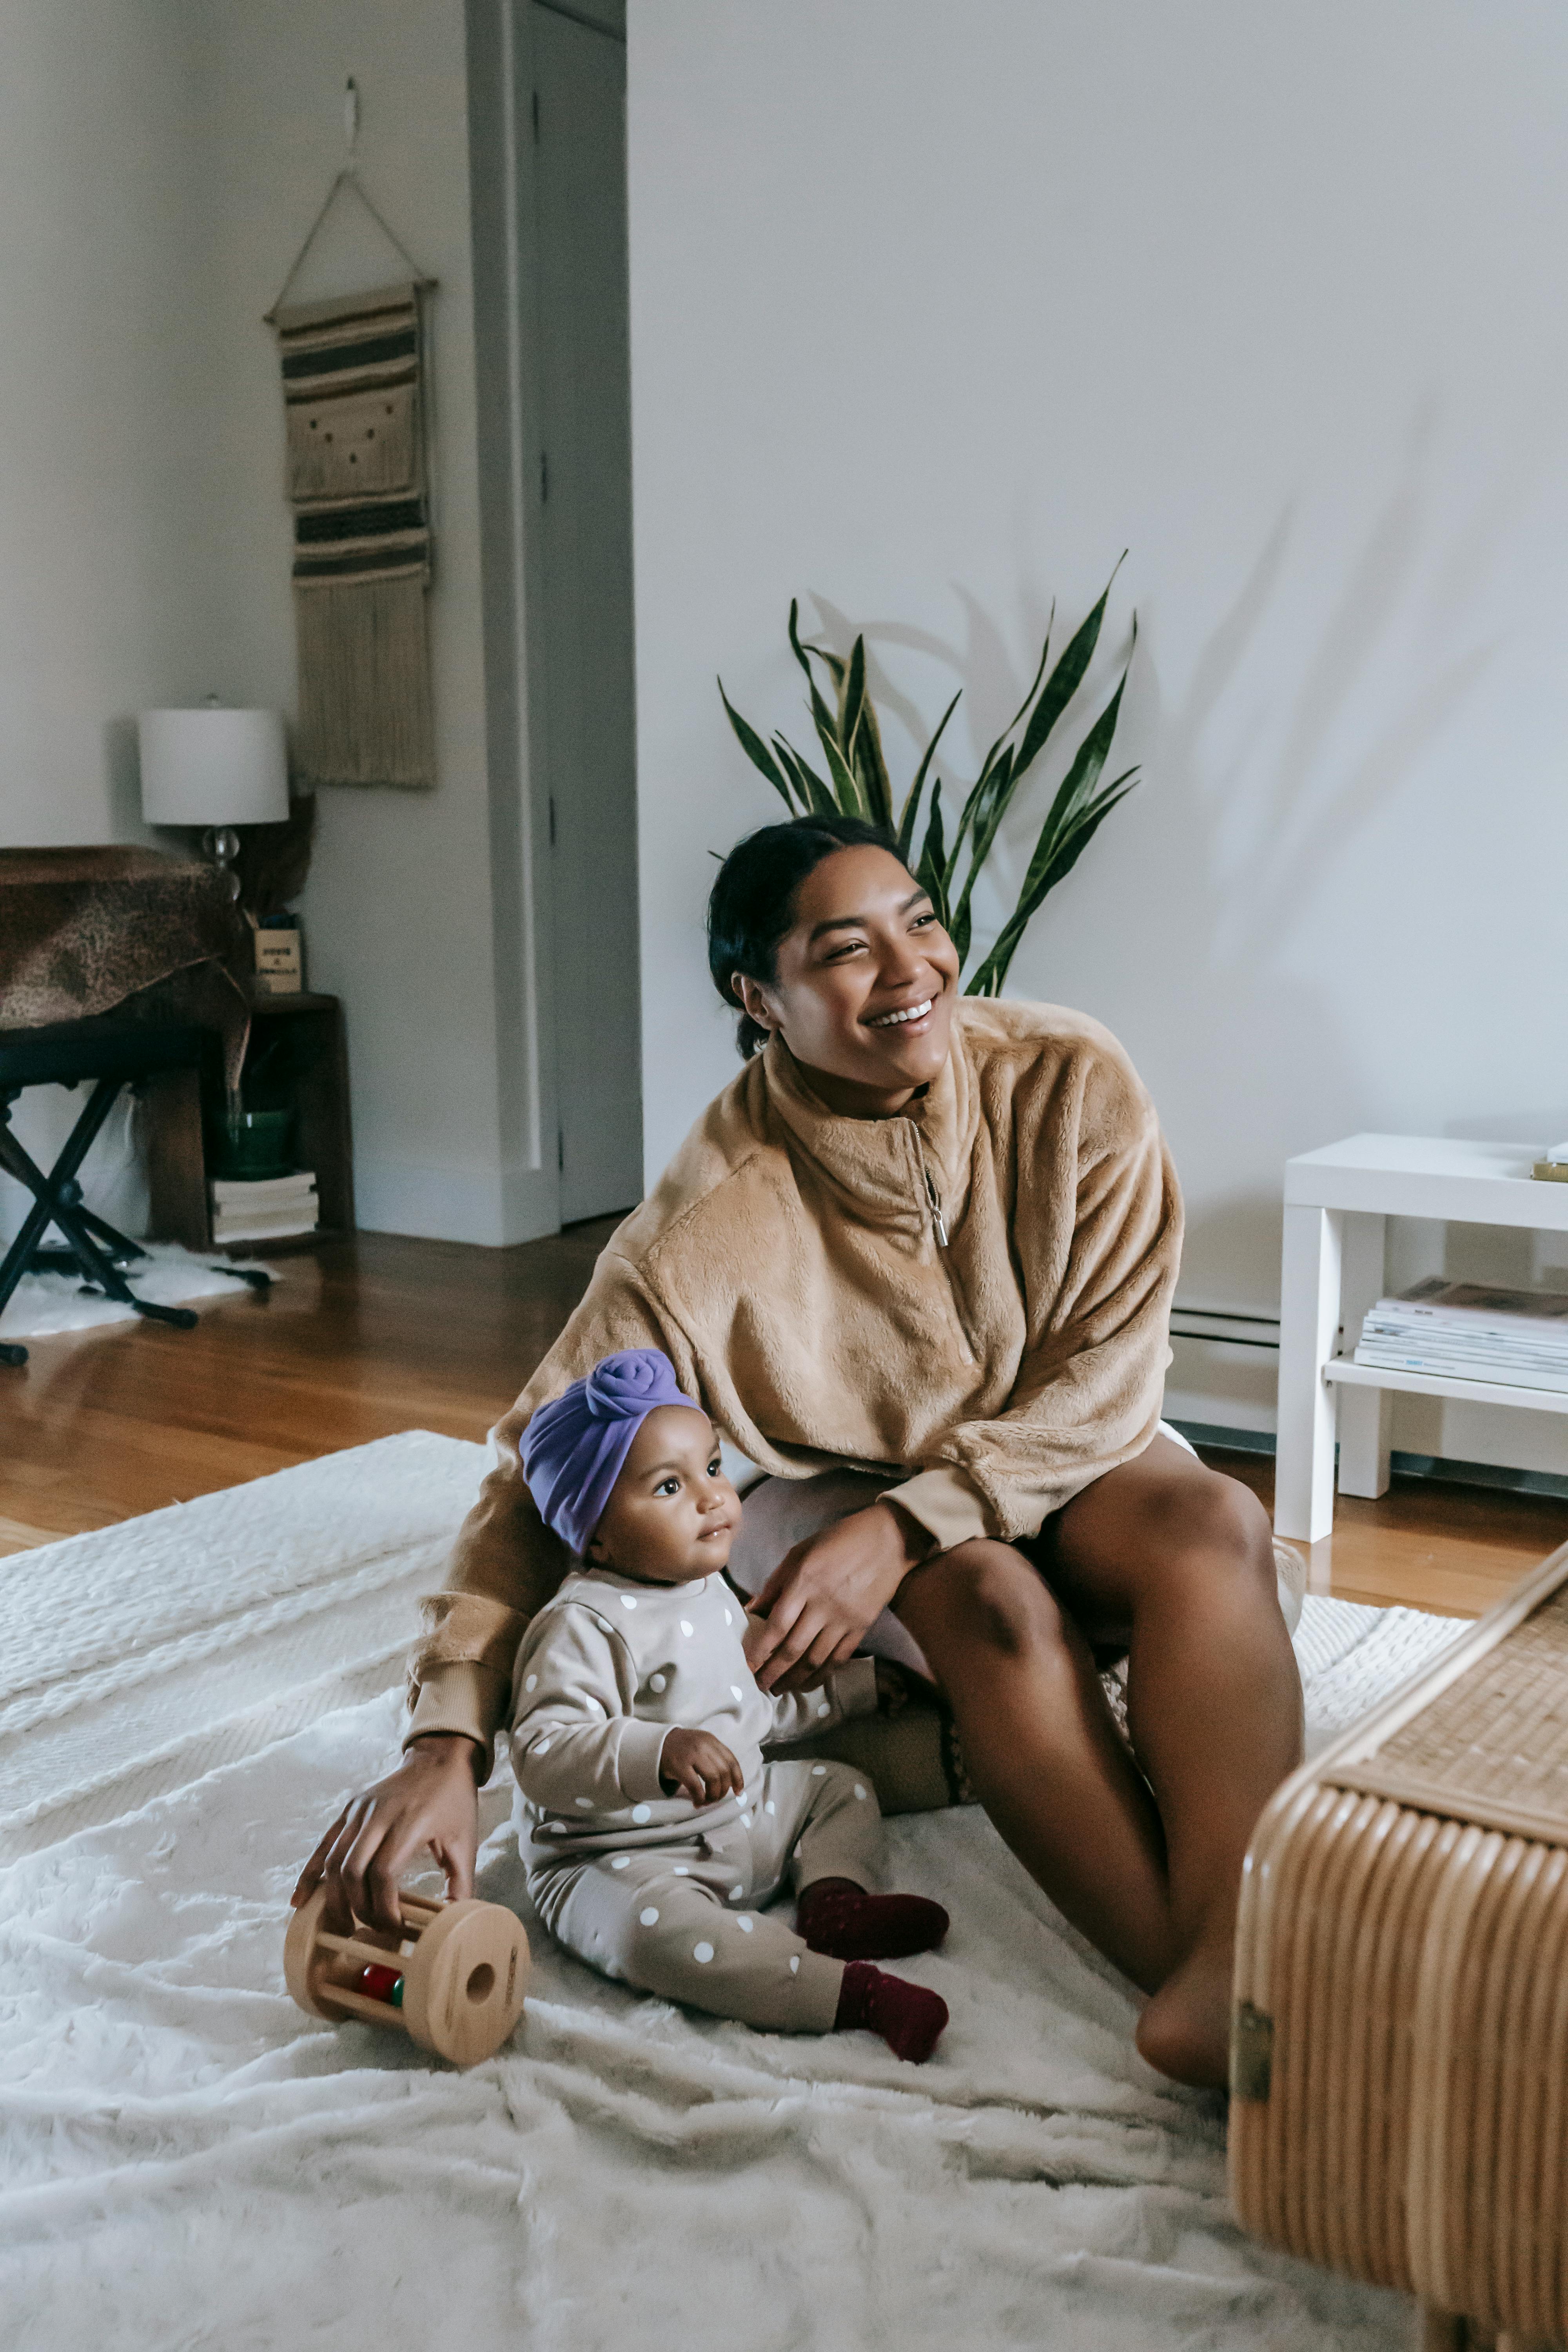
[1337, 1204]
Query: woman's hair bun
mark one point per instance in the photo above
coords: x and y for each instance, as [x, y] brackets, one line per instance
[751, 904]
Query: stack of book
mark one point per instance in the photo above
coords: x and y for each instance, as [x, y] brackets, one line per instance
[264, 1208]
[1471, 1331]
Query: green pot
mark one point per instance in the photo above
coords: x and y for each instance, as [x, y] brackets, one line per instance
[255, 1144]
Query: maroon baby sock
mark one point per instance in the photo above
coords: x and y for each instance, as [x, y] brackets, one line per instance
[908, 2018]
[838, 1917]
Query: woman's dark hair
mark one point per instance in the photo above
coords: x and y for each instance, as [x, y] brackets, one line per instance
[752, 905]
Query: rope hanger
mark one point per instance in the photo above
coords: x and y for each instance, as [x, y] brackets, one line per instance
[348, 182]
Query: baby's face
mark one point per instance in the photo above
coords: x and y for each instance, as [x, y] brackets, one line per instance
[672, 1513]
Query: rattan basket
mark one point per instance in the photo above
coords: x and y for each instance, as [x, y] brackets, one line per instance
[1399, 2060]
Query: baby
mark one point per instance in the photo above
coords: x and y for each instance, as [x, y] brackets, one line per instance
[654, 1832]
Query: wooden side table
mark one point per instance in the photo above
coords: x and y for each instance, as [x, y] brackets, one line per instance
[177, 1173]
[1338, 1201]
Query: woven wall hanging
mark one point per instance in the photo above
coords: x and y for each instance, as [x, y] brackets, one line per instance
[354, 408]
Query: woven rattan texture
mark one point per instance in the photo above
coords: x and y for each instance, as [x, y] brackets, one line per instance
[1399, 2107]
[1501, 1731]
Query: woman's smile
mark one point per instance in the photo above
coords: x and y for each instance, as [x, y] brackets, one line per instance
[904, 1015]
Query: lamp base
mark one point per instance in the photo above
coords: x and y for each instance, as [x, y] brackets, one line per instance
[221, 844]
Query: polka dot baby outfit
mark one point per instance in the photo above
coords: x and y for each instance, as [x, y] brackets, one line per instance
[664, 1894]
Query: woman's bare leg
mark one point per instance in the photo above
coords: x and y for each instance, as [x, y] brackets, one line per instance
[1042, 1751]
[1178, 1562]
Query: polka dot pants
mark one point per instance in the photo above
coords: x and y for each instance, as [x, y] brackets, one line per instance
[686, 1920]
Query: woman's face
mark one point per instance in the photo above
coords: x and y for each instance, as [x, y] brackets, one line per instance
[866, 982]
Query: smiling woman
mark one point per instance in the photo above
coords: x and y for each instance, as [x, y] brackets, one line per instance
[931, 1239]
[816, 924]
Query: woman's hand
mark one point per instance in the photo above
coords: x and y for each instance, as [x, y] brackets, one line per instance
[699, 1766]
[431, 1800]
[816, 1607]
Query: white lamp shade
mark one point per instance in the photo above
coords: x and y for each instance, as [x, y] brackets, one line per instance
[214, 767]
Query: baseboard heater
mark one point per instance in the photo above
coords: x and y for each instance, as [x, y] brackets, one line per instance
[1229, 1327]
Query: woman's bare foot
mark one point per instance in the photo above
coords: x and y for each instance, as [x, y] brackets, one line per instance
[1185, 2031]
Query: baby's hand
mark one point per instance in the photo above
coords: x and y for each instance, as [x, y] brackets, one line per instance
[699, 1766]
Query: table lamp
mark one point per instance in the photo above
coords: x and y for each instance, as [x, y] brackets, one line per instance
[218, 769]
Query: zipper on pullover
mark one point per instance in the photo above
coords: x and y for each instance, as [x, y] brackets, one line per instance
[939, 1226]
[934, 1197]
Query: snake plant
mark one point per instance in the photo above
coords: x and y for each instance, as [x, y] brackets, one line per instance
[856, 782]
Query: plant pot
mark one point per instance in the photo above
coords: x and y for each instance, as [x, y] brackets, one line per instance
[255, 1144]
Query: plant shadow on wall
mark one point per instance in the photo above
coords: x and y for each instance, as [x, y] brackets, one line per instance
[854, 779]
[1285, 747]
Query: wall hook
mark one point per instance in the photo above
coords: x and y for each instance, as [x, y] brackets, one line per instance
[351, 116]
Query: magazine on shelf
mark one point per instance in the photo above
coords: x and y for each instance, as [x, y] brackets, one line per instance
[1470, 1330]
[1445, 1365]
[1549, 1348]
[1477, 1306]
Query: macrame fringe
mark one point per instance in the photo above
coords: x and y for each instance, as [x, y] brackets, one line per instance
[366, 714]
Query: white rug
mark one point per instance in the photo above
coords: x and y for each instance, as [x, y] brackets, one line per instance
[44, 1304]
[185, 2161]
[141, 1656]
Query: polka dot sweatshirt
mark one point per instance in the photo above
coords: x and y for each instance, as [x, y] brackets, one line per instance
[609, 1667]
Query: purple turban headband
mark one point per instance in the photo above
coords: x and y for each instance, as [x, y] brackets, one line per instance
[574, 1449]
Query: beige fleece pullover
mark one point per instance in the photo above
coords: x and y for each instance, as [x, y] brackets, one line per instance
[608, 1669]
[976, 1294]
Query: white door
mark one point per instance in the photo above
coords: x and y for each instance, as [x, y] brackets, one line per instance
[584, 613]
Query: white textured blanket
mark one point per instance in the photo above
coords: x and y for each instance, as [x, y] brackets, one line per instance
[185, 2161]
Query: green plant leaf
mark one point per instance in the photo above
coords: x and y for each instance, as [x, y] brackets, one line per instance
[989, 766]
[757, 752]
[1034, 690]
[1064, 679]
[820, 713]
[1073, 818]
[991, 977]
[861, 740]
[1081, 777]
[845, 784]
[958, 930]
[989, 795]
[911, 811]
[982, 814]
[815, 796]
[930, 871]
[872, 768]
[1076, 788]
[852, 701]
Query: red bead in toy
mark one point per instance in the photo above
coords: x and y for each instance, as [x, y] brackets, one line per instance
[380, 1984]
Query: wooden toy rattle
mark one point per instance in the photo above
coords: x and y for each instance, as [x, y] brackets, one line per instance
[454, 1979]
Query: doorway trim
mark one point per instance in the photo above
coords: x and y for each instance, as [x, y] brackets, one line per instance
[504, 234]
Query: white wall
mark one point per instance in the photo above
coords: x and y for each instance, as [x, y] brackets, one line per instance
[935, 311]
[104, 472]
[159, 161]
[105, 481]
[397, 913]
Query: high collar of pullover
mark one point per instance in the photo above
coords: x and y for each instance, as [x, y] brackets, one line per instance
[877, 1161]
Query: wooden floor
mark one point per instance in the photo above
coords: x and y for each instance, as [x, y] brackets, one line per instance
[365, 1337]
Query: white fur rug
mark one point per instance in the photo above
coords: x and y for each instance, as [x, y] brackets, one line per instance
[187, 2161]
[44, 1304]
